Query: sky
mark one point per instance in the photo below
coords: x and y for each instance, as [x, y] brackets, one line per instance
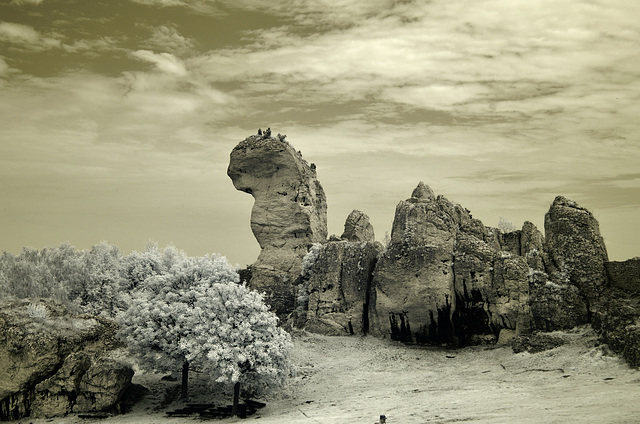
[117, 117]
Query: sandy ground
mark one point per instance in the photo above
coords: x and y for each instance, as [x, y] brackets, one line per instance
[356, 379]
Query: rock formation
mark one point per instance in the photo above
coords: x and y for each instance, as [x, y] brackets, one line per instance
[358, 228]
[53, 363]
[289, 213]
[618, 314]
[444, 277]
[576, 250]
[440, 281]
[338, 287]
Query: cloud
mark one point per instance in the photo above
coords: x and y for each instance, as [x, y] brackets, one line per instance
[208, 7]
[4, 67]
[167, 38]
[21, 2]
[26, 36]
[93, 46]
[164, 62]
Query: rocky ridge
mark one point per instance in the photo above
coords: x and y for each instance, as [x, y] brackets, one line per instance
[444, 277]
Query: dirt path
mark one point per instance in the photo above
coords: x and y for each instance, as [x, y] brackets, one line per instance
[355, 379]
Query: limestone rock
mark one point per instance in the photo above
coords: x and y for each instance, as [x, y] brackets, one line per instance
[358, 228]
[624, 275]
[575, 248]
[54, 396]
[290, 208]
[423, 192]
[554, 305]
[412, 298]
[45, 355]
[338, 288]
[617, 319]
[441, 281]
[491, 290]
[532, 246]
[102, 385]
[288, 215]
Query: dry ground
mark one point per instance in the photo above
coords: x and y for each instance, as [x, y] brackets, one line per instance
[355, 379]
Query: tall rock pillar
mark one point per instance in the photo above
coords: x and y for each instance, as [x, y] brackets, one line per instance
[576, 250]
[289, 213]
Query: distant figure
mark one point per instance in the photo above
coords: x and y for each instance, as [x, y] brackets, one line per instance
[383, 420]
[259, 131]
[267, 133]
[281, 137]
[313, 166]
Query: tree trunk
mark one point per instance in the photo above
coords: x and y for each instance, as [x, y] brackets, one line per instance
[185, 380]
[236, 397]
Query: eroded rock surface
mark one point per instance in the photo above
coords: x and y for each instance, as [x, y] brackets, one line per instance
[49, 361]
[618, 314]
[577, 253]
[357, 227]
[338, 288]
[289, 213]
[442, 279]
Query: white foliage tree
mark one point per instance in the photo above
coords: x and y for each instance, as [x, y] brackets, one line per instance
[198, 315]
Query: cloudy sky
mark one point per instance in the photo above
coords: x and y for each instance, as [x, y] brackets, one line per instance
[117, 117]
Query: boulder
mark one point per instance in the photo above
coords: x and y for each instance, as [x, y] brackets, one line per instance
[576, 250]
[46, 353]
[288, 215]
[358, 228]
[338, 287]
[102, 385]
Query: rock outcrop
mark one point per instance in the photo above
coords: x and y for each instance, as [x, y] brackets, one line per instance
[617, 318]
[53, 363]
[441, 281]
[443, 278]
[358, 228]
[338, 288]
[289, 213]
[576, 251]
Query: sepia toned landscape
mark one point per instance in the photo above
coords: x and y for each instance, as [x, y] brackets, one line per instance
[434, 205]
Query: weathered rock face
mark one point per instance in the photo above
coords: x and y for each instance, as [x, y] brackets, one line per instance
[440, 281]
[491, 290]
[617, 320]
[532, 246]
[624, 275]
[618, 314]
[289, 213]
[358, 228]
[49, 358]
[555, 306]
[576, 251]
[338, 288]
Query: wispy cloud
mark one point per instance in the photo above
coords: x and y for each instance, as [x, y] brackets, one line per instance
[21, 2]
[164, 62]
[168, 39]
[26, 37]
